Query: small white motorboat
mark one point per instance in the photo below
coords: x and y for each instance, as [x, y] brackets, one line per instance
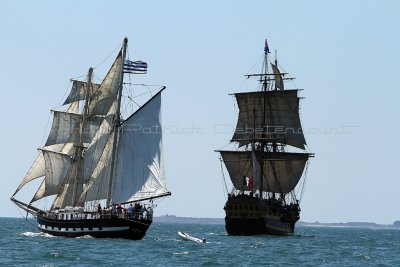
[187, 237]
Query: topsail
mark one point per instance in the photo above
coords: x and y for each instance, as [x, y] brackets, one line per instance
[270, 116]
[78, 91]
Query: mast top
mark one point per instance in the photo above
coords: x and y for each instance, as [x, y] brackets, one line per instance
[267, 78]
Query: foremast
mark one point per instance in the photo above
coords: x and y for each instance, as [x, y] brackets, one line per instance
[78, 183]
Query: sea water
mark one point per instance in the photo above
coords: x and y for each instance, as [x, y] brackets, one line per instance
[21, 244]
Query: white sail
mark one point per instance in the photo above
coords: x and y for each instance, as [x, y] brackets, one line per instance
[62, 186]
[74, 107]
[40, 193]
[66, 128]
[78, 91]
[103, 98]
[64, 198]
[57, 166]
[279, 85]
[38, 168]
[96, 147]
[97, 186]
[139, 162]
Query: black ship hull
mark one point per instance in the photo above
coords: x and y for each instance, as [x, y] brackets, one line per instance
[258, 226]
[247, 215]
[103, 227]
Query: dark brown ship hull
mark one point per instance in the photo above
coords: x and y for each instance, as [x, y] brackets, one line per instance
[247, 215]
[105, 227]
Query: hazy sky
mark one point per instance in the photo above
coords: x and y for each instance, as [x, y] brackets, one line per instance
[345, 54]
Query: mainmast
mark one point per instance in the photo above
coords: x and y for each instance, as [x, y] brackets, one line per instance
[117, 123]
[264, 88]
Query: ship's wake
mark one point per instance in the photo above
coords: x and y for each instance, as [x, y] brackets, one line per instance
[35, 234]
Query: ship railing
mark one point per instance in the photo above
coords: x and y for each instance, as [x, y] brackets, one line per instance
[144, 214]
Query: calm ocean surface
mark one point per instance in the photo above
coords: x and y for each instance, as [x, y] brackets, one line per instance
[22, 245]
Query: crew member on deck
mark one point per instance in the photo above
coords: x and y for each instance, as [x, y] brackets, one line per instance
[113, 210]
[119, 209]
[130, 208]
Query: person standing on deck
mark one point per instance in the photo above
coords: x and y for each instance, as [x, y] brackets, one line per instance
[130, 208]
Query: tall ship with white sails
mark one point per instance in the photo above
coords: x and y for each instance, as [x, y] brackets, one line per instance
[101, 172]
[269, 159]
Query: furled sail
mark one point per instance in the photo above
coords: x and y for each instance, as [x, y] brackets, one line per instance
[139, 162]
[78, 91]
[279, 85]
[269, 116]
[281, 171]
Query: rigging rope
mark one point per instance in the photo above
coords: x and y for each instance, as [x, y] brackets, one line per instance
[118, 47]
[224, 180]
[25, 217]
[45, 132]
[65, 94]
[304, 182]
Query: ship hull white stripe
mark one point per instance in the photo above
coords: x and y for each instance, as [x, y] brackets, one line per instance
[85, 230]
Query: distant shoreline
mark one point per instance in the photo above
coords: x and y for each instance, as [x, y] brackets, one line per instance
[175, 219]
[395, 225]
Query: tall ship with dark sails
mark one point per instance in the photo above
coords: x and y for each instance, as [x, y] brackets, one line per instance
[269, 157]
[100, 171]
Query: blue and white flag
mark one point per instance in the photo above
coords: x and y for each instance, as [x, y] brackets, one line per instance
[135, 67]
